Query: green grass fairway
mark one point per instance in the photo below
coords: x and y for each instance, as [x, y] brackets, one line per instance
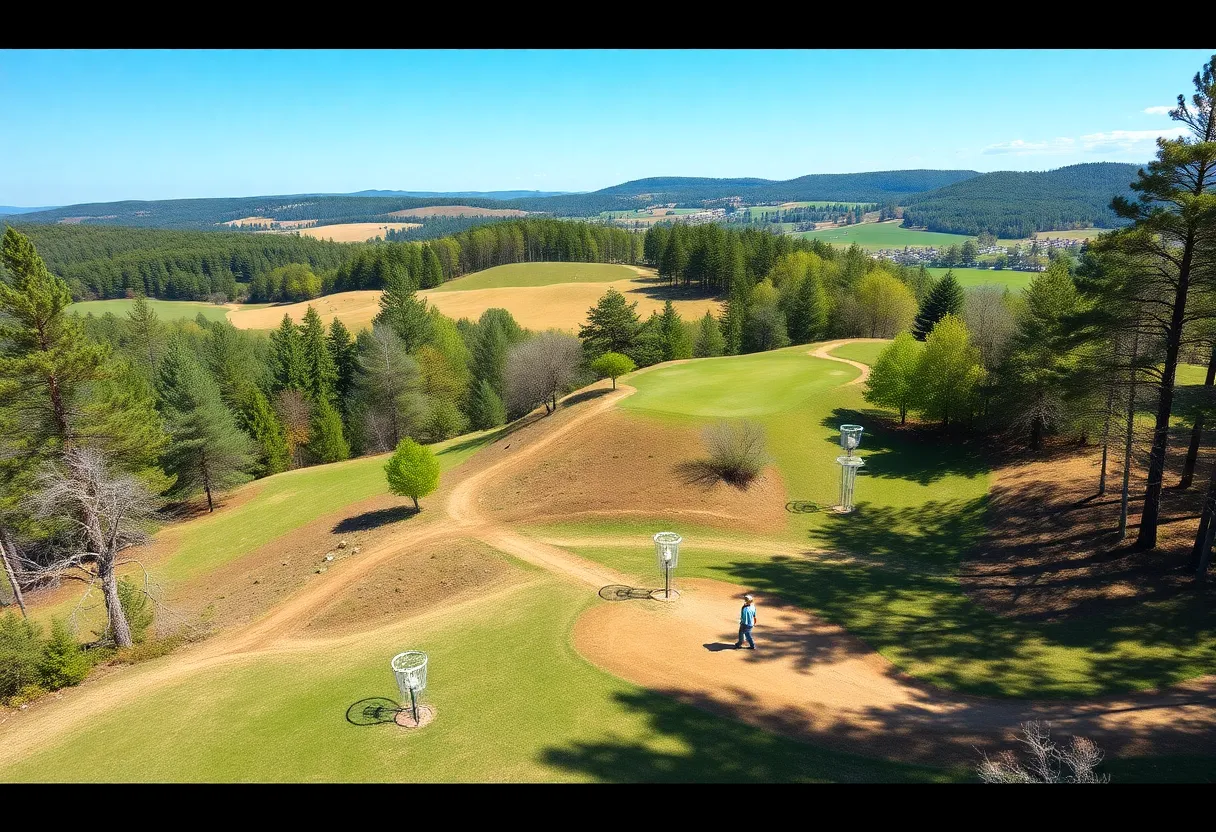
[921, 506]
[970, 278]
[866, 353]
[1191, 374]
[167, 310]
[749, 385]
[539, 274]
[514, 703]
[876, 235]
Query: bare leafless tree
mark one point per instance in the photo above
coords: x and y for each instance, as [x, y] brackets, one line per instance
[104, 512]
[541, 369]
[294, 412]
[1047, 761]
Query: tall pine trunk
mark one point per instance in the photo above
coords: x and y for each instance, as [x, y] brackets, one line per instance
[1192, 453]
[11, 572]
[1127, 445]
[1110, 400]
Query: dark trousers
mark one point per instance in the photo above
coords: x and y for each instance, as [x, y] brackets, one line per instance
[745, 632]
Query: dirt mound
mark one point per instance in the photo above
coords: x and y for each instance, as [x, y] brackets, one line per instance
[623, 463]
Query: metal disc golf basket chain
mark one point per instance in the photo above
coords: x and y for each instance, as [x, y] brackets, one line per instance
[850, 440]
[667, 551]
[410, 669]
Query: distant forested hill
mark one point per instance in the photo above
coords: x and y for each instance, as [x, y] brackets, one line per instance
[105, 261]
[1014, 204]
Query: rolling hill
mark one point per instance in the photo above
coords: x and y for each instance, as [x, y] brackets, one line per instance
[1013, 204]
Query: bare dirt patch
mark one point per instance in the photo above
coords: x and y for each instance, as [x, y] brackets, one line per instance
[1053, 551]
[355, 232]
[415, 580]
[457, 211]
[620, 465]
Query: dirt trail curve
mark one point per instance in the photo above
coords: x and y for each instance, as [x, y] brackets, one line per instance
[824, 350]
[809, 680]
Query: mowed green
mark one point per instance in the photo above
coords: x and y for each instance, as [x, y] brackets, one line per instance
[876, 235]
[971, 278]
[539, 274]
[922, 507]
[167, 310]
[513, 703]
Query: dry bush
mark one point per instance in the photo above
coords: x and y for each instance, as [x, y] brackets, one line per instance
[736, 451]
[1047, 761]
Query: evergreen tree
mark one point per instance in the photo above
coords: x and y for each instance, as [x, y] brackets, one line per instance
[892, 381]
[207, 451]
[343, 351]
[326, 441]
[709, 341]
[675, 256]
[432, 271]
[63, 663]
[612, 326]
[676, 342]
[806, 311]
[946, 298]
[403, 312]
[289, 370]
[495, 332]
[146, 335]
[259, 420]
[319, 366]
[486, 409]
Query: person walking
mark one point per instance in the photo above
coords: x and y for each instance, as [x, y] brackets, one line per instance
[747, 620]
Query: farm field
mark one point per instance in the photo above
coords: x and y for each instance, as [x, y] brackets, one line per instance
[876, 235]
[168, 310]
[969, 278]
[539, 295]
[355, 232]
[639, 690]
[457, 211]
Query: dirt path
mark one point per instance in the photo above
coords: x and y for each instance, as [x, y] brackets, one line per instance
[809, 679]
[823, 351]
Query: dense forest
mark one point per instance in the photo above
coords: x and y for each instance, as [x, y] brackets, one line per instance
[106, 261]
[1014, 204]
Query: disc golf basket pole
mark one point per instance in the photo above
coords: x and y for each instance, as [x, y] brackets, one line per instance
[410, 669]
[667, 551]
[850, 440]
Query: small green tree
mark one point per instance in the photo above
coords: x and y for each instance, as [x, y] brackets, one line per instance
[612, 365]
[892, 381]
[260, 421]
[326, 442]
[709, 341]
[135, 606]
[612, 326]
[948, 371]
[20, 653]
[673, 335]
[288, 368]
[63, 663]
[946, 298]
[412, 471]
[486, 409]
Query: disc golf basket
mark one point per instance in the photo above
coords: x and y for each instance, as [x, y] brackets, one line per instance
[667, 552]
[410, 669]
[850, 440]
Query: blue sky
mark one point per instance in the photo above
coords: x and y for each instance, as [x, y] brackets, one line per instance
[82, 126]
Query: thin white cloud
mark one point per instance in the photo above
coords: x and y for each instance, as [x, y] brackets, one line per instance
[1127, 139]
[1020, 147]
[1158, 111]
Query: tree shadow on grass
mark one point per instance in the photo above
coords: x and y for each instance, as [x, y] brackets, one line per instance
[920, 454]
[894, 585]
[713, 749]
[369, 520]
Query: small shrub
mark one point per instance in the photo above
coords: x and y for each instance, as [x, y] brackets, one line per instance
[63, 663]
[20, 654]
[25, 695]
[736, 451]
[1046, 760]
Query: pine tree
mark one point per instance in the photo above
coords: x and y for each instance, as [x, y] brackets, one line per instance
[343, 351]
[496, 331]
[676, 342]
[319, 367]
[289, 371]
[806, 312]
[612, 326]
[63, 663]
[432, 271]
[404, 313]
[486, 409]
[326, 442]
[259, 420]
[146, 335]
[675, 257]
[207, 450]
[946, 298]
[709, 340]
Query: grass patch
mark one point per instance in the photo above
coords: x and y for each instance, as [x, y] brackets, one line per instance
[539, 274]
[167, 310]
[876, 235]
[866, 351]
[970, 278]
[282, 718]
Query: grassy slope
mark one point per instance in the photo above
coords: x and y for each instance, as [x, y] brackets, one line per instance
[169, 310]
[539, 274]
[920, 509]
[513, 699]
[875, 235]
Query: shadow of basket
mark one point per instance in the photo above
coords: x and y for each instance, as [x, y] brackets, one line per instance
[620, 592]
